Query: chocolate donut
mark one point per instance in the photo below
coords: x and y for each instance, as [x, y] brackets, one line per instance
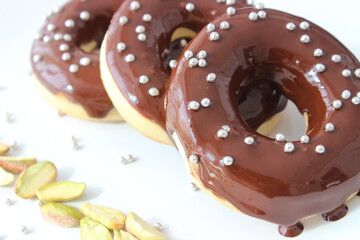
[65, 59]
[275, 180]
[132, 57]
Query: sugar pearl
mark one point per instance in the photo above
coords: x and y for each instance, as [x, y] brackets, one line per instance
[228, 161]
[193, 158]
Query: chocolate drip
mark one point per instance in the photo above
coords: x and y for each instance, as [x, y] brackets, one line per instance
[291, 231]
[336, 214]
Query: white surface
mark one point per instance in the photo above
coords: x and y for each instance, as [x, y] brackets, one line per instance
[156, 187]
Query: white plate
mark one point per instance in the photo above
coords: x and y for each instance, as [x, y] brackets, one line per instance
[157, 186]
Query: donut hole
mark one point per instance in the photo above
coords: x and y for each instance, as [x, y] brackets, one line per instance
[178, 41]
[91, 33]
[266, 89]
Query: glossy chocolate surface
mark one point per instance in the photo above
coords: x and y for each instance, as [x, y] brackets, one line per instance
[265, 181]
[167, 16]
[85, 86]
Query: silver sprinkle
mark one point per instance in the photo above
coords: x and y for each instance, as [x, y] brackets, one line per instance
[64, 47]
[66, 56]
[85, 15]
[228, 161]
[305, 139]
[134, 5]
[202, 63]
[158, 226]
[67, 37]
[51, 27]
[357, 73]
[190, 7]
[249, 140]
[47, 39]
[262, 14]
[318, 52]
[210, 27]
[38, 36]
[75, 143]
[290, 26]
[24, 229]
[320, 149]
[336, 58]
[154, 92]
[128, 159]
[183, 42]
[337, 104]
[123, 20]
[206, 102]
[211, 77]
[346, 94]
[147, 17]
[346, 73]
[214, 36]
[304, 25]
[143, 79]
[224, 25]
[37, 58]
[226, 128]
[230, 11]
[74, 68]
[202, 54]
[320, 67]
[140, 29]
[329, 127]
[305, 39]
[130, 58]
[173, 63]
[142, 37]
[58, 37]
[8, 202]
[69, 23]
[193, 158]
[260, 5]
[194, 105]
[188, 54]
[85, 61]
[356, 100]
[289, 147]
[194, 187]
[221, 133]
[253, 16]
[193, 62]
[230, 2]
[280, 137]
[120, 47]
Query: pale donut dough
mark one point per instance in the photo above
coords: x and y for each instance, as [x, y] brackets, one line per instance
[64, 105]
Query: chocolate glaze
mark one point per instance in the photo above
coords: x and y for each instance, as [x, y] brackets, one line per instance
[291, 231]
[336, 214]
[264, 181]
[84, 87]
[167, 16]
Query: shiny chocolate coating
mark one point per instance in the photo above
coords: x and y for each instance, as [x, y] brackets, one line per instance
[72, 25]
[280, 182]
[166, 17]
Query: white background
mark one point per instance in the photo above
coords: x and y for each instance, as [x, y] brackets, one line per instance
[157, 186]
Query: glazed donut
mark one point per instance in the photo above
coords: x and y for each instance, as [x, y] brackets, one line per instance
[132, 56]
[65, 60]
[272, 179]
